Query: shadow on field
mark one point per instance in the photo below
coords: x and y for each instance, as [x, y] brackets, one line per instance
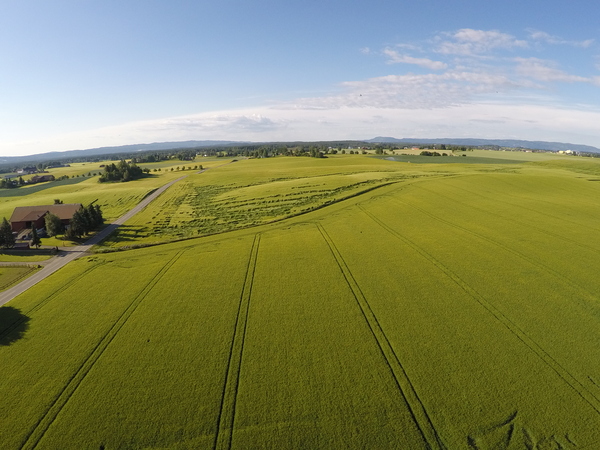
[127, 233]
[13, 325]
[22, 191]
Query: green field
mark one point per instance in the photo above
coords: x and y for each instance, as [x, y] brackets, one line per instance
[25, 255]
[10, 275]
[253, 192]
[446, 306]
[114, 198]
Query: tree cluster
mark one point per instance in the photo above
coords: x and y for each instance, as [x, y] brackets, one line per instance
[7, 240]
[7, 183]
[122, 171]
[84, 221]
[428, 153]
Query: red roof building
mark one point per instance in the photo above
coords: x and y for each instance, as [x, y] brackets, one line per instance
[30, 216]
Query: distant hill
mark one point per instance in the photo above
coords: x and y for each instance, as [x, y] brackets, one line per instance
[158, 146]
[512, 143]
[112, 150]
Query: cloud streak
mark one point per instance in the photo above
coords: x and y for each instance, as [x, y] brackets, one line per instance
[470, 42]
[397, 58]
[542, 36]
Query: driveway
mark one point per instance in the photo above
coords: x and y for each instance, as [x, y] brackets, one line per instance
[70, 253]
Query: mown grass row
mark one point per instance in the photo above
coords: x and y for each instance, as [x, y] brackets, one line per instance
[225, 199]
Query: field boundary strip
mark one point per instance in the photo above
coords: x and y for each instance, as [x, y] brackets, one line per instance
[226, 418]
[6, 331]
[37, 432]
[416, 407]
[544, 356]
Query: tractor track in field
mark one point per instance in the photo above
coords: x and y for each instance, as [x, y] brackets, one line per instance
[592, 299]
[6, 331]
[38, 431]
[562, 237]
[530, 343]
[415, 405]
[513, 205]
[538, 200]
[226, 417]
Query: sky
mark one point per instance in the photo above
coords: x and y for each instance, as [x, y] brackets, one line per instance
[78, 74]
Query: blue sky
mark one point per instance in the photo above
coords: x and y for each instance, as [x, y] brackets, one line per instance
[81, 73]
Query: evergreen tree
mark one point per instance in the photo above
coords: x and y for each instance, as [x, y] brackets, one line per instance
[35, 239]
[76, 226]
[7, 240]
[87, 221]
[96, 213]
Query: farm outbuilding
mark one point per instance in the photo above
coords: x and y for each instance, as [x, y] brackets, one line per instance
[30, 216]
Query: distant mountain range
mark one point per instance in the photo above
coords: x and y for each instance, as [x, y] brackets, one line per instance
[157, 146]
[511, 143]
[50, 156]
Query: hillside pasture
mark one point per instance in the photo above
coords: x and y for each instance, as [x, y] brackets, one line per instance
[114, 198]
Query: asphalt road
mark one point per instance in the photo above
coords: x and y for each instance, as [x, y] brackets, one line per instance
[66, 256]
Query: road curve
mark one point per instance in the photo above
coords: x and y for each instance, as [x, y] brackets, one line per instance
[66, 257]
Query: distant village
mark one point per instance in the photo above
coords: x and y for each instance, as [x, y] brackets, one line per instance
[12, 180]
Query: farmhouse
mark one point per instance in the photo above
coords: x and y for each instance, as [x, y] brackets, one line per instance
[42, 178]
[30, 216]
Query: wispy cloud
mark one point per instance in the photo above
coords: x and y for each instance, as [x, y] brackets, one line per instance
[396, 58]
[426, 91]
[483, 119]
[470, 42]
[542, 36]
[233, 123]
[547, 71]
[472, 83]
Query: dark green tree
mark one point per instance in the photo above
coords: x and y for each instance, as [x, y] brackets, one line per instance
[76, 225]
[7, 240]
[97, 215]
[35, 239]
[87, 220]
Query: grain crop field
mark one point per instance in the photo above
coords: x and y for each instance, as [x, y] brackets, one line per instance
[253, 192]
[452, 307]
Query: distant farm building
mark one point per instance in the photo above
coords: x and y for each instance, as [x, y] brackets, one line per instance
[41, 179]
[33, 216]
